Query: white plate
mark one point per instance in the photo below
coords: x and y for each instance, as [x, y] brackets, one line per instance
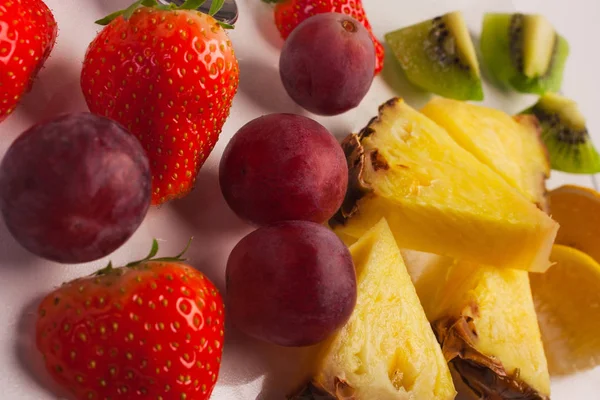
[250, 370]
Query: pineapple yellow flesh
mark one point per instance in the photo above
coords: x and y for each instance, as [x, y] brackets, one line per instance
[437, 197]
[485, 320]
[511, 147]
[387, 350]
[567, 300]
[535, 161]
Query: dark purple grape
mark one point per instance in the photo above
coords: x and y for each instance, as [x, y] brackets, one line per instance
[327, 63]
[292, 284]
[74, 189]
[283, 167]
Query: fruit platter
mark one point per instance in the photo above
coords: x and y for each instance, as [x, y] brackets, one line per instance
[299, 200]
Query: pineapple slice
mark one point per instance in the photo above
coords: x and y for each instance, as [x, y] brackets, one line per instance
[387, 350]
[510, 146]
[437, 197]
[567, 300]
[485, 320]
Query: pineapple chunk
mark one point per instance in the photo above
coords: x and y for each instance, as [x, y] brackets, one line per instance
[512, 147]
[437, 197]
[485, 320]
[387, 350]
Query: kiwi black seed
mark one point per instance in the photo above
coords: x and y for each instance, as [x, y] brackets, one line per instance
[442, 48]
[516, 40]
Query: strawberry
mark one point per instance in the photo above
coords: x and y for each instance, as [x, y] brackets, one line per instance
[168, 74]
[27, 36]
[150, 330]
[290, 13]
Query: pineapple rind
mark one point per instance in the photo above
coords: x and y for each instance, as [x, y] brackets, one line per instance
[484, 376]
[437, 197]
[485, 320]
[387, 350]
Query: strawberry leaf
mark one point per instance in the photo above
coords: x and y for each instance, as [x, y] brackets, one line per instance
[225, 25]
[150, 257]
[154, 251]
[105, 270]
[109, 18]
[178, 257]
[191, 4]
[128, 12]
[215, 7]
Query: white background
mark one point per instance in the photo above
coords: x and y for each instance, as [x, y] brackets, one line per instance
[250, 370]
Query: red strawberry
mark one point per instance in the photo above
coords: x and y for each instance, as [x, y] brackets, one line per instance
[169, 75]
[150, 330]
[27, 35]
[290, 13]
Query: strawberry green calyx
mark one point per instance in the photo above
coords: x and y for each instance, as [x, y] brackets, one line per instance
[126, 13]
[149, 258]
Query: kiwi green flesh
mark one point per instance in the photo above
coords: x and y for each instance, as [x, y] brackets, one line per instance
[502, 67]
[431, 60]
[552, 81]
[566, 137]
[495, 49]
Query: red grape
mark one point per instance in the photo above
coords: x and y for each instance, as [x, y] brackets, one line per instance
[292, 284]
[74, 189]
[327, 63]
[283, 167]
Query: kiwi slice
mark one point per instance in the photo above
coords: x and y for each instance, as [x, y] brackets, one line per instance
[438, 55]
[565, 134]
[523, 52]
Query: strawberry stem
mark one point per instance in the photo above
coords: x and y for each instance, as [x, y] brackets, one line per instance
[149, 258]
